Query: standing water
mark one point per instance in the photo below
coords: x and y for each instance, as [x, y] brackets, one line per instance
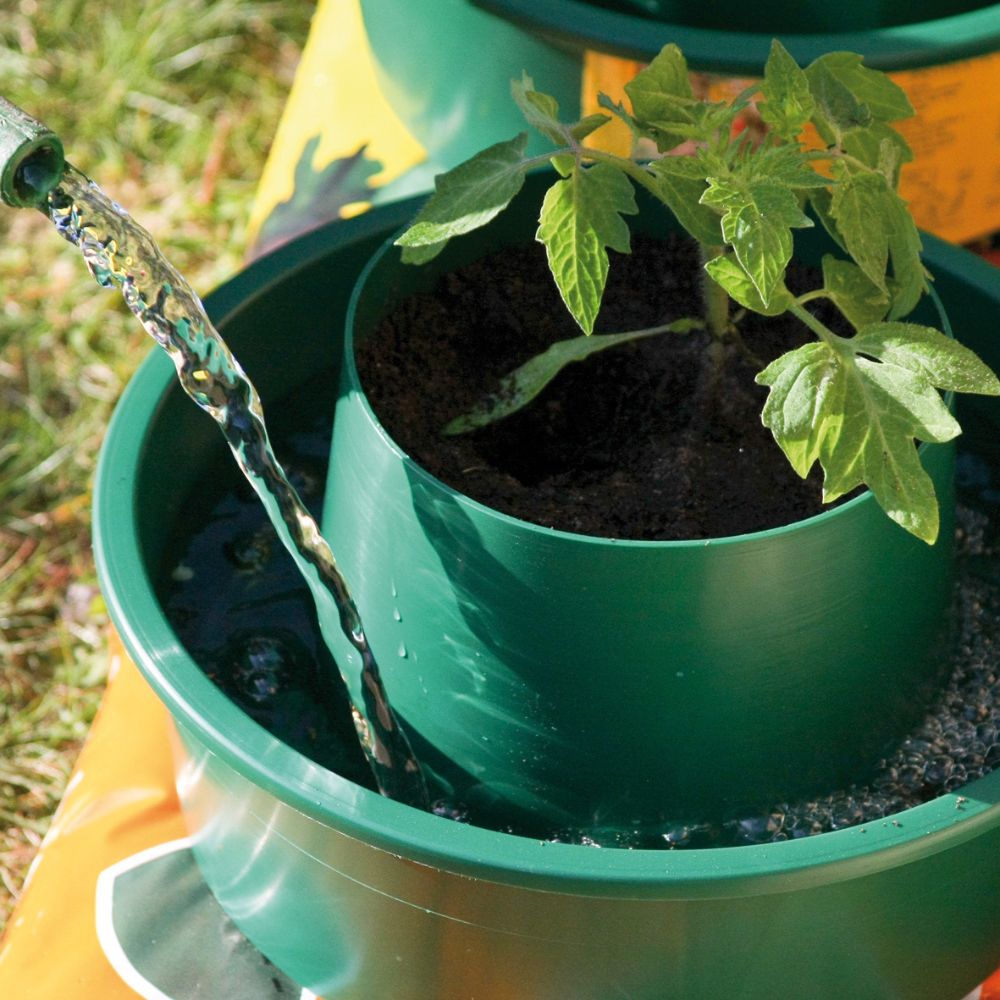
[121, 254]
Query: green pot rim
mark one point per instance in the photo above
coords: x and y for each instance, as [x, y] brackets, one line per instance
[923, 43]
[204, 713]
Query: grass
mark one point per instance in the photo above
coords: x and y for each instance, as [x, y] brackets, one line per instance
[170, 105]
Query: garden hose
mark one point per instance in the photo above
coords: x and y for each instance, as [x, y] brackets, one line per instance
[31, 158]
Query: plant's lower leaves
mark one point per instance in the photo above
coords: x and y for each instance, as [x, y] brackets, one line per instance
[470, 195]
[863, 206]
[853, 292]
[942, 360]
[909, 277]
[581, 217]
[858, 406]
[523, 384]
[725, 271]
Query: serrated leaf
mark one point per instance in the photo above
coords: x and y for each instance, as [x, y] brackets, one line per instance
[690, 166]
[861, 418]
[680, 188]
[942, 360]
[541, 111]
[663, 103]
[836, 110]
[863, 208]
[522, 385]
[666, 78]
[872, 146]
[757, 223]
[786, 164]
[618, 110]
[909, 278]
[726, 272]
[884, 99]
[588, 124]
[581, 216]
[853, 292]
[788, 102]
[820, 200]
[805, 402]
[470, 195]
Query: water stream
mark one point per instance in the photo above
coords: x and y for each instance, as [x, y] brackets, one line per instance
[121, 254]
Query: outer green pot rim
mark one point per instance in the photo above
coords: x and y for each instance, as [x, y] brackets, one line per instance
[945, 39]
[251, 752]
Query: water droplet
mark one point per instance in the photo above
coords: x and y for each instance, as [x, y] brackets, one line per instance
[396, 615]
[402, 651]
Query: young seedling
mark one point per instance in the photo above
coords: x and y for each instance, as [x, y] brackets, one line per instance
[856, 404]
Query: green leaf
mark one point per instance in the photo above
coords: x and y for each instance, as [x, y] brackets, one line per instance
[820, 200]
[618, 110]
[581, 216]
[585, 126]
[804, 405]
[422, 254]
[885, 100]
[470, 195]
[909, 278]
[880, 147]
[863, 207]
[837, 110]
[858, 407]
[853, 292]
[726, 272]
[662, 99]
[757, 222]
[522, 385]
[942, 360]
[785, 164]
[788, 103]
[680, 184]
[541, 111]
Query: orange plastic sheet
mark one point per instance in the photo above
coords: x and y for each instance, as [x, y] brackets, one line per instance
[114, 906]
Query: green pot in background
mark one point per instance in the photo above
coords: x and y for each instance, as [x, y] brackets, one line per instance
[600, 682]
[359, 897]
[734, 38]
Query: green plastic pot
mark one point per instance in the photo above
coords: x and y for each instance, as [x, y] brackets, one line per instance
[616, 683]
[358, 897]
[734, 38]
[445, 68]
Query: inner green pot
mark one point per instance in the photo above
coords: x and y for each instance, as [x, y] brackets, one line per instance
[599, 682]
[358, 897]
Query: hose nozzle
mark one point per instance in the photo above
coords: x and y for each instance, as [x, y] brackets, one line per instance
[31, 158]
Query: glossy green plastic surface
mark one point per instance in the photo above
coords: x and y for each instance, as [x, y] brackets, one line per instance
[31, 158]
[358, 897]
[598, 680]
[728, 36]
[422, 50]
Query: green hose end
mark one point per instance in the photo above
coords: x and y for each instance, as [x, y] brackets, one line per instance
[32, 160]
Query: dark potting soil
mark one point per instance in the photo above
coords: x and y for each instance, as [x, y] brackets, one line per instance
[239, 607]
[638, 441]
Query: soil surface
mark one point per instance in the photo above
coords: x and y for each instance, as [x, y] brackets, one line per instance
[638, 441]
